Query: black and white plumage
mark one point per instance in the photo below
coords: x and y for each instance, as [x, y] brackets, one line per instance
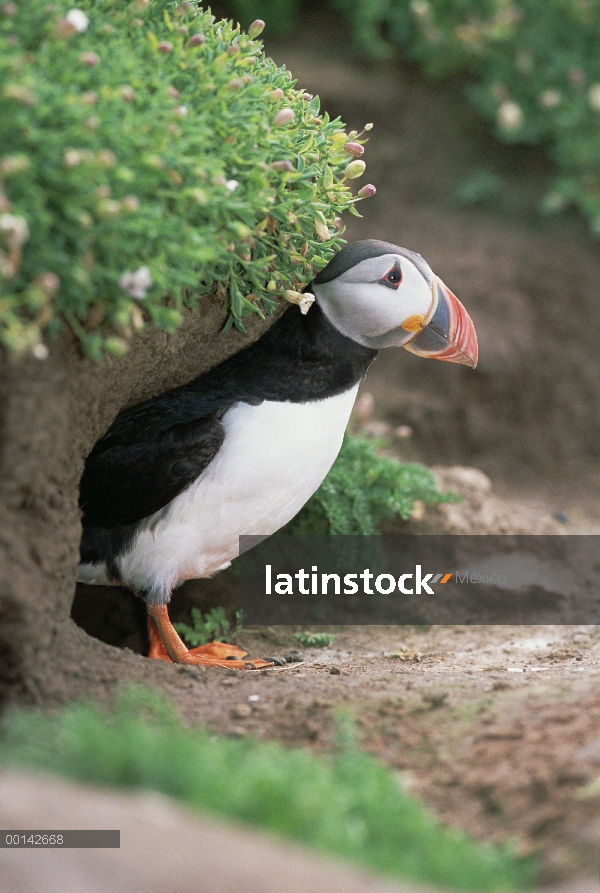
[174, 482]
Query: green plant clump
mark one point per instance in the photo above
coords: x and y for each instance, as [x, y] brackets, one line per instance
[214, 626]
[314, 640]
[361, 490]
[150, 155]
[535, 66]
[347, 804]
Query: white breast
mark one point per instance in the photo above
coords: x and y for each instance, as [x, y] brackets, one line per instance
[273, 458]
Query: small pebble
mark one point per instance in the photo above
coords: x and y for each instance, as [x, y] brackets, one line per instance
[403, 432]
[241, 711]
[253, 698]
[561, 517]
[238, 732]
[335, 671]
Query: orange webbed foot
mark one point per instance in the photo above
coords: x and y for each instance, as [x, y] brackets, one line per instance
[215, 654]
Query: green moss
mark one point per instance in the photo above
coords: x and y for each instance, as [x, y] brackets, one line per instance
[152, 144]
[346, 804]
[361, 490]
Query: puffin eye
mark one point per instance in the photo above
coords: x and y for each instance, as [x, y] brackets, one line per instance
[392, 278]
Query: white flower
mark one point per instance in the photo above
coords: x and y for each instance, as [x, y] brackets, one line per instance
[136, 284]
[15, 229]
[40, 351]
[510, 115]
[549, 99]
[594, 97]
[230, 185]
[322, 230]
[306, 302]
[420, 8]
[303, 300]
[77, 19]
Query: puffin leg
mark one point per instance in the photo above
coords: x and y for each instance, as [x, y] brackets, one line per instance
[219, 650]
[179, 654]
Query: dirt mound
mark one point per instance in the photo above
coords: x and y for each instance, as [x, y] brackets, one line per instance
[52, 413]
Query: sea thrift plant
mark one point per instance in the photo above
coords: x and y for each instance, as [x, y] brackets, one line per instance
[151, 155]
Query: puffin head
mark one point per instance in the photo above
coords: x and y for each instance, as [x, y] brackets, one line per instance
[384, 296]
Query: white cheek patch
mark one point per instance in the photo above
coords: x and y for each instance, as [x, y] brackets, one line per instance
[362, 308]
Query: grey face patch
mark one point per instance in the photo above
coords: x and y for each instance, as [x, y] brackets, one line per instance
[355, 253]
[393, 338]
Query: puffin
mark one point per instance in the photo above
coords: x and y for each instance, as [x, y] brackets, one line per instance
[168, 490]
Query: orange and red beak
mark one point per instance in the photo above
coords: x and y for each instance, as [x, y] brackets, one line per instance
[448, 332]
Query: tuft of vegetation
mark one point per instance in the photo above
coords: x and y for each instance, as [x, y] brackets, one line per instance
[347, 804]
[361, 490]
[533, 66]
[150, 155]
[314, 640]
[213, 627]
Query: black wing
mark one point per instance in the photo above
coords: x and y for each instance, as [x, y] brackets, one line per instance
[140, 465]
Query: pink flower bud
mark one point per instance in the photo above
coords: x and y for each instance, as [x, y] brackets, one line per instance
[173, 93]
[235, 84]
[196, 40]
[354, 149]
[282, 166]
[106, 158]
[127, 93]
[90, 97]
[183, 8]
[367, 191]
[256, 28]
[89, 59]
[577, 77]
[274, 95]
[284, 116]
[48, 282]
[131, 203]
[165, 47]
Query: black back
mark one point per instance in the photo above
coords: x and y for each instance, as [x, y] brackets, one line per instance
[155, 450]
